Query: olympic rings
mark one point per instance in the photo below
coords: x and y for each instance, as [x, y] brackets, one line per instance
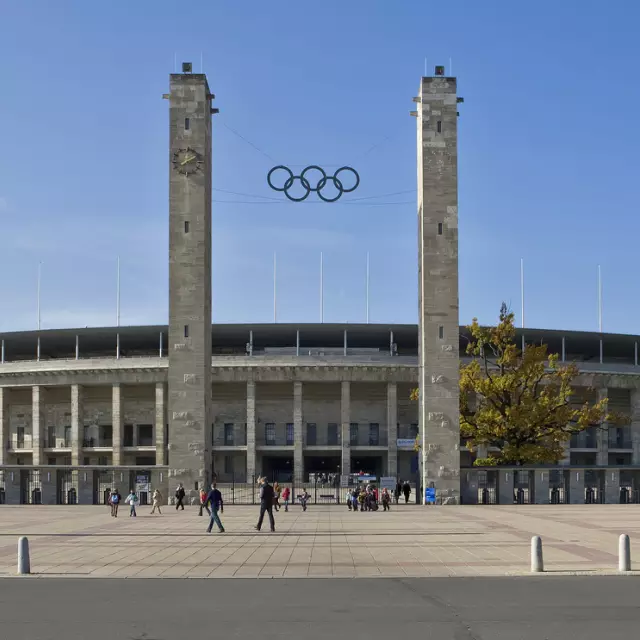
[307, 186]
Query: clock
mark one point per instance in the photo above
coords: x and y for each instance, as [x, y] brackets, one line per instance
[187, 161]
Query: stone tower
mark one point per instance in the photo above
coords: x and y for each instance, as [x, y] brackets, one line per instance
[438, 285]
[189, 392]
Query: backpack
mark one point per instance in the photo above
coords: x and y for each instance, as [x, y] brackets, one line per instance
[115, 498]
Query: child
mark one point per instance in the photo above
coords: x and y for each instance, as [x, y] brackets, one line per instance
[303, 497]
[386, 500]
[132, 500]
[285, 498]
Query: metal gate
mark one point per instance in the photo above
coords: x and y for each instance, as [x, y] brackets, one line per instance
[67, 487]
[30, 487]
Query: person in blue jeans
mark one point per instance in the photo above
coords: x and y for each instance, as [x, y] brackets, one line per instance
[214, 500]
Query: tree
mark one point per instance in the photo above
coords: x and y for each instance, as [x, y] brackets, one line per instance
[524, 403]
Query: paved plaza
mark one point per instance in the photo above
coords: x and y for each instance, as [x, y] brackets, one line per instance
[325, 541]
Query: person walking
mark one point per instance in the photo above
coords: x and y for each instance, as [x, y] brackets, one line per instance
[203, 502]
[266, 504]
[286, 493]
[157, 501]
[180, 494]
[214, 500]
[397, 492]
[132, 500]
[304, 498]
[386, 500]
[276, 495]
[114, 501]
[406, 490]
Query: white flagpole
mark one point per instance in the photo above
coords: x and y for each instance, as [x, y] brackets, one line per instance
[274, 287]
[367, 287]
[321, 287]
[522, 290]
[599, 299]
[118, 294]
[39, 286]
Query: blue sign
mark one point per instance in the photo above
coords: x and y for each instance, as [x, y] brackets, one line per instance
[430, 495]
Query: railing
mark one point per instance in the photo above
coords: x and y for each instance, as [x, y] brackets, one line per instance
[16, 444]
[365, 439]
[620, 442]
[584, 440]
[91, 443]
[407, 431]
[322, 437]
[274, 435]
[235, 438]
[57, 444]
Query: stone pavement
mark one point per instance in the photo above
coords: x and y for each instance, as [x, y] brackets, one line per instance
[326, 541]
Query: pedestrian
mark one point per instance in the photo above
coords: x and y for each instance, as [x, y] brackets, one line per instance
[386, 500]
[406, 490]
[397, 492]
[348, 499]
[180, 494]
[266, 504]
[132, 500]
[203, 502]
[114, 501]
[286, 493]
[304, 498]
[157, 501]
[214, 500]
[276, 496]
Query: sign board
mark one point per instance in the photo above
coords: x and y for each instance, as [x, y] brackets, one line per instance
[430, 495]
[388, 483]
[406, 443]
[365, 478]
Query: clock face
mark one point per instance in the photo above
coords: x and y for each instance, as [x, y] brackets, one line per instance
[187, 161]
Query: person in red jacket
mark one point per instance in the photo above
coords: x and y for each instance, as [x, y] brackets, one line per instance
[286, 493]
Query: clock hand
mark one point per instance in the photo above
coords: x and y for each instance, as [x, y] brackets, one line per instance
[189, 159]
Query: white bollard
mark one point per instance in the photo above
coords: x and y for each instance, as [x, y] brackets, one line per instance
[24, 562]
[624, 553]
[537, 565]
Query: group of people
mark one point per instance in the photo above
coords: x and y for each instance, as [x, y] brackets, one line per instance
[133, 501]
[366, 498]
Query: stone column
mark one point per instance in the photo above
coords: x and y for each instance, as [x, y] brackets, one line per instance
[5, 423]
[251, 431]
[161, 420]
[576, 486]
[77, 423]
[345, 419]
[392, 429]
[505, 486]
[612, 486]
[602, 456]
[116, 423]
[298, 457]
[635, 426]
[37, 423]
[541, 486]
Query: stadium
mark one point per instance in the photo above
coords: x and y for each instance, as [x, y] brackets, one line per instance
[149, 407]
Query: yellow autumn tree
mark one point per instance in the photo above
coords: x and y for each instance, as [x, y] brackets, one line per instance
[521, 403]
[524, 402]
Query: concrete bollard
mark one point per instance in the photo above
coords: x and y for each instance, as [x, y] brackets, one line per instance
[537, 565]
[24, 562]
[624, 553]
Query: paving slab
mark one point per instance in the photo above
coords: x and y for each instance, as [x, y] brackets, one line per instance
[324, 541]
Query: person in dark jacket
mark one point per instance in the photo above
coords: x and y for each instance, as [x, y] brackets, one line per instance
[406, 490]
[266, 504]
[214, 500]
[180, 497]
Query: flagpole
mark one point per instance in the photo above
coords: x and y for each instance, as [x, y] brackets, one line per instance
[522, 289]
[39, 286]
[274, 287]
[118, 294]
[367, 287]
[321, 287]
[599, 299]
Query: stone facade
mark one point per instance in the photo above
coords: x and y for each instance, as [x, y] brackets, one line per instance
[189, 379]
[438, 285]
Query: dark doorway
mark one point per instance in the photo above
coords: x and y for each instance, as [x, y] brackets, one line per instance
[278, 468]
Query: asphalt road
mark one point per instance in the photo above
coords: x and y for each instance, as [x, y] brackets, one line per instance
[529, 608]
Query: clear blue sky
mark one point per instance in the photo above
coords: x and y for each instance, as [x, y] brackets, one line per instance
[547, 153]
